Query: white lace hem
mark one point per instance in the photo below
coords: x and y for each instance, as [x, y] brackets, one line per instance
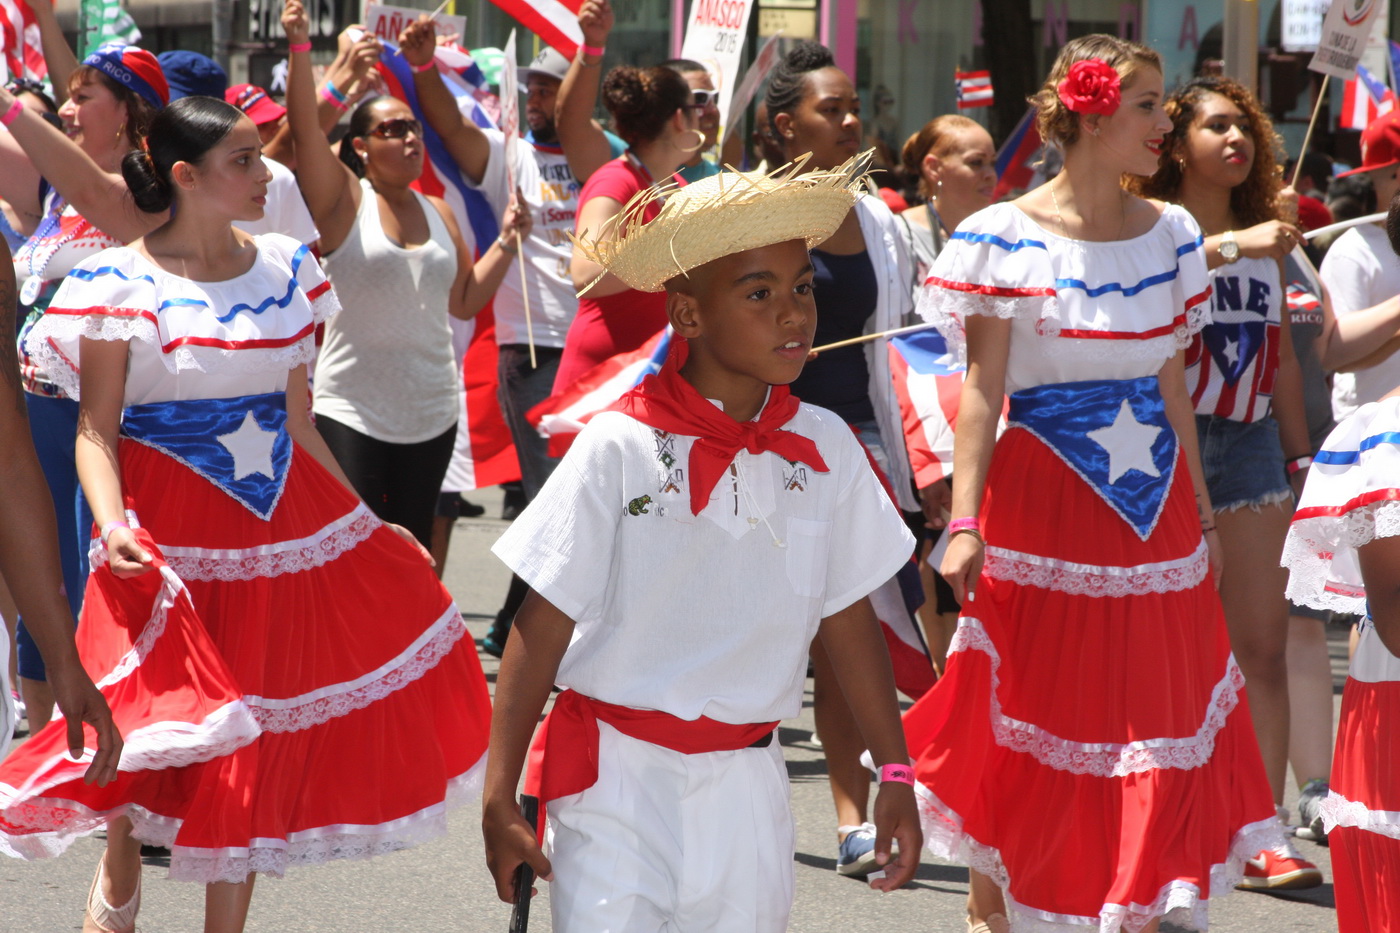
[171, 589]
[316, 846]
[152, 748]
[1177, 901]
[1094, 580]
[1101, 759]
[309, 709]
[269, 856]
[43, 346]
[1316, 546]
[267, 560]
[1337, 811]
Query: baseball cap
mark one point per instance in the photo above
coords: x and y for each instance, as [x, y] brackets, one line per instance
[1380, 145]
[255, 102]
[548, 64]
[191, 74]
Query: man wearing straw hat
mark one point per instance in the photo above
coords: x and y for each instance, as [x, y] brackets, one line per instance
[682, 557]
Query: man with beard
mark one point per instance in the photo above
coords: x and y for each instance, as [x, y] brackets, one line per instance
[549, 187]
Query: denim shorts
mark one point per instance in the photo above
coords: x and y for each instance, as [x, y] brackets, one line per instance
[1243, 462]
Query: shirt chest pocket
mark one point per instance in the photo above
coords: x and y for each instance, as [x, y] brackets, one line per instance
[807, 543]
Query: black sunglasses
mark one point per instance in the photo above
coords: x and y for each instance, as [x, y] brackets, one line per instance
[397, 128]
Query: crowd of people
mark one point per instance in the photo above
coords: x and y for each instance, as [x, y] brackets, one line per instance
[232, 344]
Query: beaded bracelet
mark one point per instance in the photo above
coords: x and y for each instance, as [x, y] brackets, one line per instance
[295, 47]
[10, 115]
[337, 97]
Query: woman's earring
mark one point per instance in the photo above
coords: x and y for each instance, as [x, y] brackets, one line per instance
[699, 144]
[121, 131]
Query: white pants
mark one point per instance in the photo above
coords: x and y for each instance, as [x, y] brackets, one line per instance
[672, 843]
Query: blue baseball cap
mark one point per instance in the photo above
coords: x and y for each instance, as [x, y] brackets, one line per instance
[193, 75]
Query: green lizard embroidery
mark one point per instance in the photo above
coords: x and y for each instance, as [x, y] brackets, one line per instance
[638, 506]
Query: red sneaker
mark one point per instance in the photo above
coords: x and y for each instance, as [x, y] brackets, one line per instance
[1280, 869]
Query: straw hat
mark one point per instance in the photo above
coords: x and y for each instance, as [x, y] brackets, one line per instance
[721, 215]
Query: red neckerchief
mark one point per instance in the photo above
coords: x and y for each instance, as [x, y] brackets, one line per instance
[667, 402]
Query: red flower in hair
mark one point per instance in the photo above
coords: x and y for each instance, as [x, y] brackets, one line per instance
[1092, 86]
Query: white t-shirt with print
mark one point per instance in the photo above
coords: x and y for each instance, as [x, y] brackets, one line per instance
[1361, 271]
[551, 193]
[702, 615]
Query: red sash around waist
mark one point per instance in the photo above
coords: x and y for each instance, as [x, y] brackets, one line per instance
[564, 754]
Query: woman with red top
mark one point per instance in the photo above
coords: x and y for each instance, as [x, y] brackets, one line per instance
[653, 110]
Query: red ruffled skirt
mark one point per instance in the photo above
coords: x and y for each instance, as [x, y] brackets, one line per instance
[1089, 746]
[1362, 812]
[290, 691]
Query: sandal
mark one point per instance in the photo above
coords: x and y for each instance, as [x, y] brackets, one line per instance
[105, 917]
[995, 923]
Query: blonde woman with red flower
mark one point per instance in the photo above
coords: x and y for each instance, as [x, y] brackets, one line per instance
[1088, 752]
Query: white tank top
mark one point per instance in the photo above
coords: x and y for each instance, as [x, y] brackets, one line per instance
[386, 367]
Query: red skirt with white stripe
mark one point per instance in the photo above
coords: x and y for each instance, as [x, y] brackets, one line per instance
[1362, 812]
[1089, 746]
[290, 691]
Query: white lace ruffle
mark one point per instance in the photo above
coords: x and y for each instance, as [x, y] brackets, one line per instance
[169, 592]
[1318, 547]
[1198, 316]
[1075, 579]
[1101, 759]
[51, 824]
[1178, 901]
[58, 328]
[272, 560]
[1337, 811]
[301, 712]
[317, 846]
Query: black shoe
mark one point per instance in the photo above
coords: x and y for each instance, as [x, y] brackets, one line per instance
[514, 502]
[467, 509]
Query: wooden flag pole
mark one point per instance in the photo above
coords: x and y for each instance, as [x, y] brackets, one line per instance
[866, 338]
[1307, 137]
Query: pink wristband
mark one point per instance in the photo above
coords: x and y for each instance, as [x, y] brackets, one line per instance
[596, 51]
[963, 524]
[331, 93]
[108, 528]
[426, 66]
[901, 773]
[298, 47]
[9, 116]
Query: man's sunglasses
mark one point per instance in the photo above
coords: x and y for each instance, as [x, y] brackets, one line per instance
[397, 128]
[702, 99]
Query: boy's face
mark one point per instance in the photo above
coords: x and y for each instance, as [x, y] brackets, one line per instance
[750, 315]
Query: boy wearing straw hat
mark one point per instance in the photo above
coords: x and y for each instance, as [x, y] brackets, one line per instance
[690, 546]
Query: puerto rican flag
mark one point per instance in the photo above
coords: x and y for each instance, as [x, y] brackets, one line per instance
[561, 416]
[974, 89]
[19, 37]
[487, 457]
[928, 381]
[1364, 98]
[1016, 159]
[554, 21]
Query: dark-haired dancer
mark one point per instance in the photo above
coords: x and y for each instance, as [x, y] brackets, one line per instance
[256, 630]
[653, 110]
[386, 386]
[1088, 752]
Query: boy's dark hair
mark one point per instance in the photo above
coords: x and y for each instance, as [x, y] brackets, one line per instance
[1392, 224]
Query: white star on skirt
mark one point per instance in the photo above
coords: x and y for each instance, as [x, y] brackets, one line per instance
[1129, 444]
[251, 447]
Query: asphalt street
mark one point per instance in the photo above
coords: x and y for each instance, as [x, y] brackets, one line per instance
[443, 886]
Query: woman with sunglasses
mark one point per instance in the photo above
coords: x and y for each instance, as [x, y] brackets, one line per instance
[386, 392]
[655, 113]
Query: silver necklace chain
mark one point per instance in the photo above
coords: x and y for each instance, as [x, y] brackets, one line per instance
[1059, 218]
